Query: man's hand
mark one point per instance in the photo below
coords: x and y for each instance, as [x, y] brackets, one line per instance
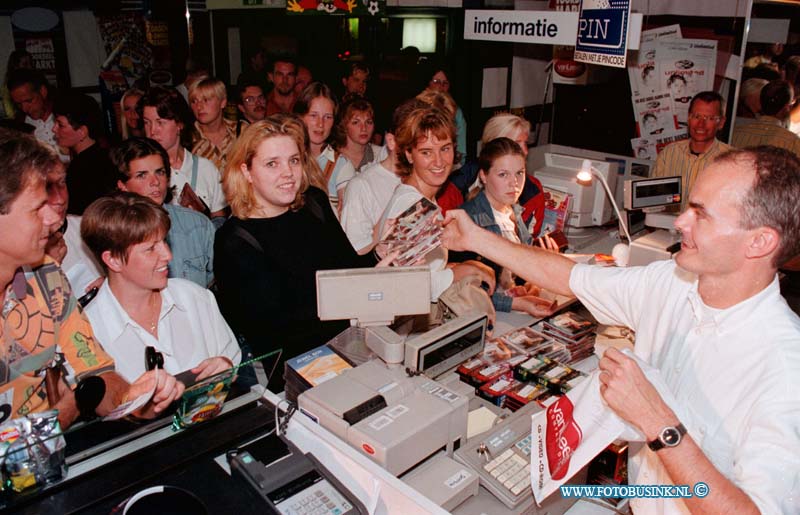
[167, 390]
[459, 230]
[211, 366]
[533, 306]
[628, 392]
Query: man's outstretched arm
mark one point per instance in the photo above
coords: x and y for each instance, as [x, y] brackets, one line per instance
[541, 267]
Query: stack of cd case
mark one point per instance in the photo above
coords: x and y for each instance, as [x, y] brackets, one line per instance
[312, 368]
[557, 377]
[576, 332]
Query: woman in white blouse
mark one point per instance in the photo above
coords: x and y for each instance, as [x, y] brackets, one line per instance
[137, 306]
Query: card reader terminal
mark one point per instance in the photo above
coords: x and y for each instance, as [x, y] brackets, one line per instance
[295, 483]
[502, 458]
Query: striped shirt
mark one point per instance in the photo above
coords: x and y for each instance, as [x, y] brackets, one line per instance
[218, 155]
[766, 130]
[677, 159]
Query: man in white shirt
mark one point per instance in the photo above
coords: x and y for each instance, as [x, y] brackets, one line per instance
[713, 322]
[65, 245]
[31, 93]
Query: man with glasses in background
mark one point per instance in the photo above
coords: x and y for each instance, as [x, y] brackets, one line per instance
[252, 104]
[688, 157]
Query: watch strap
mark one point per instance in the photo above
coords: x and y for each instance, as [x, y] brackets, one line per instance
[657, 444]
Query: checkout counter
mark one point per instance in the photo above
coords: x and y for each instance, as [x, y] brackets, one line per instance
[103, 476]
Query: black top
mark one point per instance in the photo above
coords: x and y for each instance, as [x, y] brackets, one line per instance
[269, 297]
[90, 175]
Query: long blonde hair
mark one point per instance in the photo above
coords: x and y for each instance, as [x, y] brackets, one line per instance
[238, 190]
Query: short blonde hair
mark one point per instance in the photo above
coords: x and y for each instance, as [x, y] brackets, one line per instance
[238, 190]
[207, 87]
[504, 125]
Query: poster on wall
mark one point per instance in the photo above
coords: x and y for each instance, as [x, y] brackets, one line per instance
[337, 7]
[43, 54]
[654, 115]
[643, 65]
[686, 68]
[603, 32]
[124, 33]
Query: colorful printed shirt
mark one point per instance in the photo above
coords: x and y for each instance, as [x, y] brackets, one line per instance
[41, 317]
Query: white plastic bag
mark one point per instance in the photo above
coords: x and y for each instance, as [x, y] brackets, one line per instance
[577, 427]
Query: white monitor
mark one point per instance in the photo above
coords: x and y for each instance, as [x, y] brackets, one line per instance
[373, 296]
[590, 205]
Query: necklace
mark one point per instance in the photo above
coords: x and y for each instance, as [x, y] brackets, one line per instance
[154, 324]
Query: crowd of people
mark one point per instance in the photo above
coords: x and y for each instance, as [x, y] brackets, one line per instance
[200, 236]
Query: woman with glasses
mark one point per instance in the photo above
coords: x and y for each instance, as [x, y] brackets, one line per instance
[440, 81]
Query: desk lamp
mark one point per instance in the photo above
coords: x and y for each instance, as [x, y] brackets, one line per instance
[621, 251]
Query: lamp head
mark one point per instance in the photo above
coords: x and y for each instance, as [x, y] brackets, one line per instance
[584, 177]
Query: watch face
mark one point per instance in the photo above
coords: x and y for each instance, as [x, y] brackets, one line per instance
[671, 437]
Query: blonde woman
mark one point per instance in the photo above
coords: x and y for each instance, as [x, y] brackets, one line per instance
[131, 123]
[282, 231]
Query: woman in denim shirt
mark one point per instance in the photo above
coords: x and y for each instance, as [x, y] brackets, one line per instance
[143, 167]
[495, 208]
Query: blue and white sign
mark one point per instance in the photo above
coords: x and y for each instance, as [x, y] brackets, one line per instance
[602, 32]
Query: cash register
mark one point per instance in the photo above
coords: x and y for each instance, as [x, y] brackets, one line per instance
[391, 408]
[403, 409]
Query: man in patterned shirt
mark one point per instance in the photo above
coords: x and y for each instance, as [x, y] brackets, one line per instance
[688, 157]
[42, 324]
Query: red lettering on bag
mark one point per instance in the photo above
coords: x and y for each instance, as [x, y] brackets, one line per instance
[562, 436]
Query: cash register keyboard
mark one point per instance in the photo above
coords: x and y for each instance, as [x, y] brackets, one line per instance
[512, 471]
[321, 499]
[502, 457]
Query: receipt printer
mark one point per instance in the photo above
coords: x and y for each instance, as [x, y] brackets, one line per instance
[395, 420]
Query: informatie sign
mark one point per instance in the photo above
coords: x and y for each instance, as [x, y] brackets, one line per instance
[603, 32]
[543, 27]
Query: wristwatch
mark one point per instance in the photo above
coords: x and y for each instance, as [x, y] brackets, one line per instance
[668, 437]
